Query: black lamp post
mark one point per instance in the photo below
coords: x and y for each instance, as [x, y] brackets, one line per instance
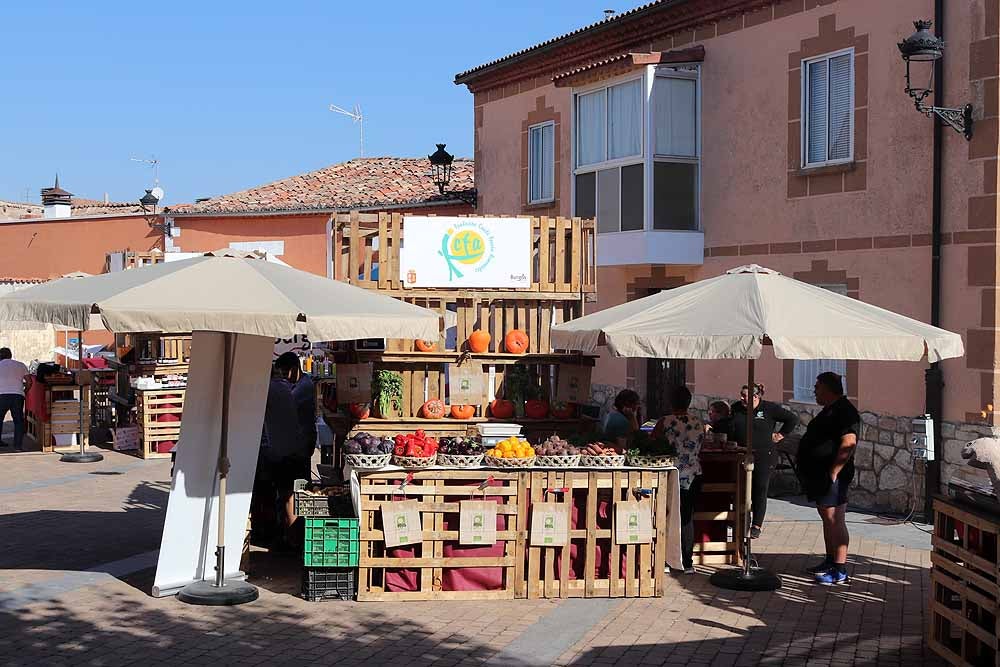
[925, 49]
[441, 161]
[149, 202]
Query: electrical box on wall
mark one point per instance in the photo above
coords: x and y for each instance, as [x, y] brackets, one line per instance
[923, 438]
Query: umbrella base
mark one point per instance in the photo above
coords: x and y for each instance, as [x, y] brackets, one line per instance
[736, 579]
[232, 592]
[81, 457]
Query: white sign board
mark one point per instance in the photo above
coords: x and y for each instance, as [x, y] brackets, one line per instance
[466, 252]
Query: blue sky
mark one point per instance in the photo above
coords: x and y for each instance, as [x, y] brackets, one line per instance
[229, 95]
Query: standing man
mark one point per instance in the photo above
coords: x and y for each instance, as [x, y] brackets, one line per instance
[12, 379]
[826, 468]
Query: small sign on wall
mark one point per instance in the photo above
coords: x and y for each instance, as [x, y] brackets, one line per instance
[354, 383]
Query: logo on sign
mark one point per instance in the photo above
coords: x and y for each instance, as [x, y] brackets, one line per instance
[466, 246]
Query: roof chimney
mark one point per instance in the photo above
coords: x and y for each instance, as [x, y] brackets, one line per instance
[608, 13]
[107, 199]
[56, 201]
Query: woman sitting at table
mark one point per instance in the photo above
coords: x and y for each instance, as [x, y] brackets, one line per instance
[623, 421]
[685, 432]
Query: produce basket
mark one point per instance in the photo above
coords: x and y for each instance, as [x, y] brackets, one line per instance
[590, 461]
[367, 461]
[414, 461]
[494, 462]
[460, 460]
[652, 460]
[550, 461]
[328, 584]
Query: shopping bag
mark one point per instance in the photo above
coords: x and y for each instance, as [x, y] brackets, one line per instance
[549, 524]
[477, 522]
[354, 383]
[465, 384]
[401, 523]
[574, 384]
[633, 522]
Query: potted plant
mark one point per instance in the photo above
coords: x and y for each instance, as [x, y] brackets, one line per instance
[387, 392]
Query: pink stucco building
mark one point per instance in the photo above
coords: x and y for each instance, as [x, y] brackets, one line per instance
[705, 134]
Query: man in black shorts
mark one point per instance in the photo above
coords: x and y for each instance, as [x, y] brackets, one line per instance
[826, 468]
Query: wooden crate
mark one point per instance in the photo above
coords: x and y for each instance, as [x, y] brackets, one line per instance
[439, 492]
[548, 568]
[150, 405]
[724, 476]
[965, 584]
[64, 418]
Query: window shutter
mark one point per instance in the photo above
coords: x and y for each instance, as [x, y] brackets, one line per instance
[841, 83]
[816, 112]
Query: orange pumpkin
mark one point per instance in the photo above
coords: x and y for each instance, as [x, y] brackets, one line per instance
[536, 409]
[502, 409]
[463, 411]
[432, 409]
[360, 410]
[424, 345]
[479, 341]
[516, 341]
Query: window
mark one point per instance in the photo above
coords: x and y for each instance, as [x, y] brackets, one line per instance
[806, 370]
[541, 163]
[828, 109]
[636, 151]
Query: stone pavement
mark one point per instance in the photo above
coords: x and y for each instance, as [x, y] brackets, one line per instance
[79, 544]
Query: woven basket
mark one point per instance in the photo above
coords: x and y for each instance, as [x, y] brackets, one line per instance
[414, 461]
[589, 461]
[367, 461]
[554, 461]
[653, 461]
[508, 463]
[460, 460]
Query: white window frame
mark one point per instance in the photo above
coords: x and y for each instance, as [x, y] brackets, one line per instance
[690, 71]
[551, 166]
[811, 399]
[804, 114]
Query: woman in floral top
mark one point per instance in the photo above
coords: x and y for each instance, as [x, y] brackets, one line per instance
[685, 432]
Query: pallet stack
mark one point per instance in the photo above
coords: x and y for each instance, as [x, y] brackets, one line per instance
[965, 584]
[158, 415]
[331, 546]
[62, 416]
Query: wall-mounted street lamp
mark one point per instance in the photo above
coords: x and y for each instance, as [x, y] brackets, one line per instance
[441, 171]
[922, 50]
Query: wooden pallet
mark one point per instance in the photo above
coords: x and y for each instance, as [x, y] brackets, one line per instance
[965, 585]
[150, 405]
[724, 474]
[64, 417]
[439, 493]
[548, 568]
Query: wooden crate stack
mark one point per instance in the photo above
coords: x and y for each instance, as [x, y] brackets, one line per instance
[64, 417]
[151, 406]
[366, 252]
[723, 513]
[439, 493]
[965, 584]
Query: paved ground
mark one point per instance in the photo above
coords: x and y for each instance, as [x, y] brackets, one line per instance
[79, 544]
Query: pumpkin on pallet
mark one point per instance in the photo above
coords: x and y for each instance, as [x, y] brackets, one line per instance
[536, 409]
[463, 411]
[432, 409]
[479, 341]
[502, 409]
[516, 341]
[424, 345]
[360, 410]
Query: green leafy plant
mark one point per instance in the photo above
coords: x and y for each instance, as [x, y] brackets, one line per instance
[520, 384]
[387, 388]
[644, 444]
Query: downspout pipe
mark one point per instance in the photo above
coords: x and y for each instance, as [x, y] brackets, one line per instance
[934, 376]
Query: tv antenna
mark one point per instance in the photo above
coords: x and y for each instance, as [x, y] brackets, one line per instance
[153, 162]
[357, 117]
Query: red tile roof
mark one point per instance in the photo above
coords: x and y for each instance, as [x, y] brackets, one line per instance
[358, 183]
[78, 207]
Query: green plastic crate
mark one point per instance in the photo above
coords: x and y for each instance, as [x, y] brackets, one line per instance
[333, 542]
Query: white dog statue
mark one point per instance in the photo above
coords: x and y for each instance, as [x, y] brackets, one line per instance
[984, 453]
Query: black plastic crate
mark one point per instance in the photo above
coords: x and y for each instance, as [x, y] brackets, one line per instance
[315, 505]
[329, 583]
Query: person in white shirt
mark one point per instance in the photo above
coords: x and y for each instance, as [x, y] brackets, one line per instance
[12, 377]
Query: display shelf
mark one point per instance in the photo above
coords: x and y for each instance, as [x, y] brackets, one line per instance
[720, 510]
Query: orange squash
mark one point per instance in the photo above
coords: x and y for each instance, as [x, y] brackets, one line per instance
[516, 341]
[424, 345]
[536, 409]
[479, 341]
[502, 409]
[360, 410]
[463, 411]
[432, 409]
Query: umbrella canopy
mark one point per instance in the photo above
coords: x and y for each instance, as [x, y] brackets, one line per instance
[731, 317]
[232, 294]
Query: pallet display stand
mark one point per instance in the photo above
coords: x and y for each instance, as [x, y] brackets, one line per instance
[67, 412]
[153, 406]
[722, 507]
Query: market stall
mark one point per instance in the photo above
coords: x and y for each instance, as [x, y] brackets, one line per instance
[57, 408]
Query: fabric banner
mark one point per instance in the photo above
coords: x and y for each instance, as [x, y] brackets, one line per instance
[549, 524]
[477, 522]
[633, 522]
[465, 384]
[574, 384]
[401, 523]
[354, 383]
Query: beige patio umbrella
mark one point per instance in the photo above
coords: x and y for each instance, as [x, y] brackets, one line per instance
[734, 315]
[234, 295]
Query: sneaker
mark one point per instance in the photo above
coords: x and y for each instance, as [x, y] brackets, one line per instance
[831, 576]
[690, 570]
[754, 532]
[817, 569]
